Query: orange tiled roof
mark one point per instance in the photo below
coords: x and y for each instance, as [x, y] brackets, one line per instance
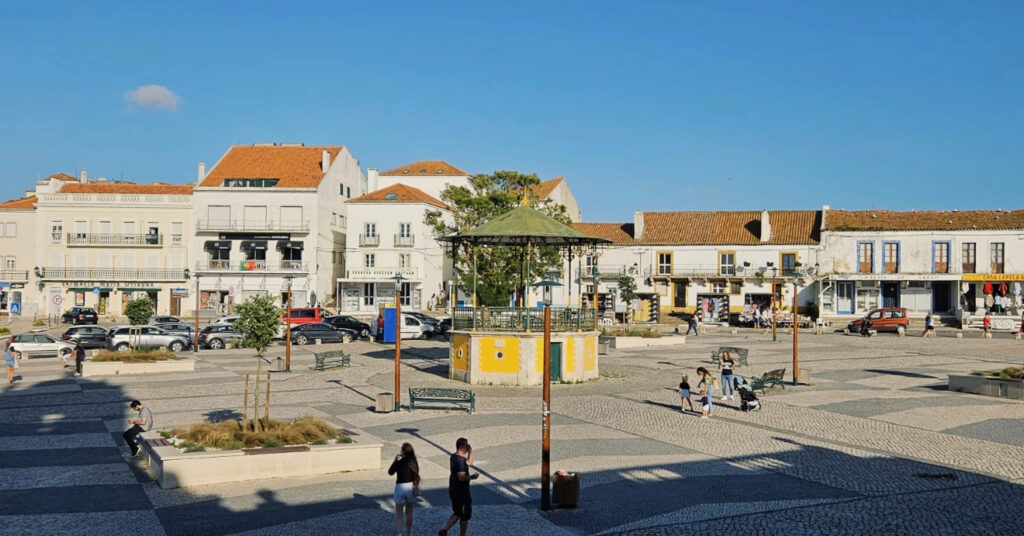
[922, 220]
[544, 189]
[789, 227]
[621, 234]
[19, 204]
[295, 166]
[62, 177]
[426, 167]
[400, 193]
[124, 188]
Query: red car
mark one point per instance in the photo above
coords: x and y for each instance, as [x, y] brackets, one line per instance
[892, 319]
[306, 315]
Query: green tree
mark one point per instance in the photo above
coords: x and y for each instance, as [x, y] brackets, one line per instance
[500, 269]
[627, 293]
[258, 321]
[139, 310]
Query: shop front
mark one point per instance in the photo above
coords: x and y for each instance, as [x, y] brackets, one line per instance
[919, 294]
[1001, 296]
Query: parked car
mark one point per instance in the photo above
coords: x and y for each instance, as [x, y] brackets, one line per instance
[892, 319]
[306, 315]
[348, 322]
[124, 338]
[79, 315]
[179, 328]
[440, 327]
[156, 319]
[412, 328]
[229, 319]
[89, 336]
[217, 336]
[307, 333]
[445, 325]
[40, 345]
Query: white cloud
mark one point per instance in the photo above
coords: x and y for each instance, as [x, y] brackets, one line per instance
[153, 96]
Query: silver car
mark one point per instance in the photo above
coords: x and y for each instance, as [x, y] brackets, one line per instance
[125, 338]
[40, 345]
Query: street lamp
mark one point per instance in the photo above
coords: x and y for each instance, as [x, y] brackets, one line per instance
[288, 327]
[775, 314]
[545, 448]
[597, 281]
[398, 339]
[195, 340]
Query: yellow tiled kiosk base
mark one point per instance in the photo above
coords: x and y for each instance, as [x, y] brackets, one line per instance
[502, 358]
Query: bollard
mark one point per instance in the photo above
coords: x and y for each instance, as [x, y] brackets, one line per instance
[986, 335]
[901, 333]
[846, 331]
[1016, 336]
[735, 331]
[317, 342]
[959, 334]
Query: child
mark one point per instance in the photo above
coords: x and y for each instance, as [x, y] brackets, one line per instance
[986, 324]
[684, 394]
[707, 391]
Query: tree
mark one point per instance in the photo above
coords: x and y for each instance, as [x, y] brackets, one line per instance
[500, 269]
[139, 310]
[258, 321]
[627, 292]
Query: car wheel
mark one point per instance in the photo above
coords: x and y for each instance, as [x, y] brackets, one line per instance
[123, 347]
[216, 344]
[901, 330]
[301, 340]
[176, 346]
[364, 333]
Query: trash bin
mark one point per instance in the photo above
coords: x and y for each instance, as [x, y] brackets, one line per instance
[279, 365]
[385, 402]
[567, 490]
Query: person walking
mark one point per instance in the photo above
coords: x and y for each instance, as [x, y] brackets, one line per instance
[691, 324]
[684, 394]
[407, 487]
[986, 326]
[79, 357]
[726, 365]
[458, 487]
[929, 326]
[143, 423]
[9, 362]
[380, 327]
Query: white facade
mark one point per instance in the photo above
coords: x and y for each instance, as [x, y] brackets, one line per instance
[18, 246]
[430, 183]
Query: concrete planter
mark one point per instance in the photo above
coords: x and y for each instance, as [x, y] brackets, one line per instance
[984, 385]
[175, 469]
[643, 342]
[114, 368]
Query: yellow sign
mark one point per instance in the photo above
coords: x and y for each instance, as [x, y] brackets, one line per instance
[993, 277]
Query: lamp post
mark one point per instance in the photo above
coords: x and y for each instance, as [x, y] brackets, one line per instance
[775, 315]
[288, 327]
[398, 340]
[597, 281]
[796, 340]
[545, 443]
[195, 339]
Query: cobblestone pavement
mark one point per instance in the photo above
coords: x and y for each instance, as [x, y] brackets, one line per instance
[874, 445]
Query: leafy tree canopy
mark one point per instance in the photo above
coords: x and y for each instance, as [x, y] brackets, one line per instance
[258, 321]
[500, 269]
[138, 311]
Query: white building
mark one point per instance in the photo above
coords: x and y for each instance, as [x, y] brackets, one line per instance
[18, 244]
[938, 261]
[429, 176]
[267, 214]
[387, 237]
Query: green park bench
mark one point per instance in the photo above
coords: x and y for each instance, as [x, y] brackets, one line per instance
[334, 358]
[739, 355]
[463, 398]
[769, 379]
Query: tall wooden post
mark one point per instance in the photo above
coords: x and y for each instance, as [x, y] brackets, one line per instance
[398, 349]
[288, 331]
[195, 340]
[545, 448]
[796, 340]
[775, 314]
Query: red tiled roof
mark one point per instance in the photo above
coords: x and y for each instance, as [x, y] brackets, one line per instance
[922, 220]
[621, 234]
[400, 193]
[124, 188]
[789, 227]
[19, 204]
[544, 189]
[62, 177]
[426, 167]
[295, 166]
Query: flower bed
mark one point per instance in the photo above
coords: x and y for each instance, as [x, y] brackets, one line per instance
[137, 355]
[1006, 383]
[228, 435]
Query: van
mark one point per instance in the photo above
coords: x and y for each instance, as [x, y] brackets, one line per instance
[893, 319]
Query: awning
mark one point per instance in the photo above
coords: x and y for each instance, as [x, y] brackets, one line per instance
[218, 244]
[288, 244]
[254, 244]
[89, 289]
[138, 289]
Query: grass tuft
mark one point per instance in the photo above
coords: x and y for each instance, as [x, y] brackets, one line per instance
[228, 435]
[138, 355]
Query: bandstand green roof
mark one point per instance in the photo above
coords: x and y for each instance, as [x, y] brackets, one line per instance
[524, 225]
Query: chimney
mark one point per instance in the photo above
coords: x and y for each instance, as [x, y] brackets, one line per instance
[824, 215]
[371, 178]
[325, 160]
[201, 172]
[766, 226]
[638, 225]
[83, 176]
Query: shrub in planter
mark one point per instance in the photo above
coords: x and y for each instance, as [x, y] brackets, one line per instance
[228, 435]
[138, 355]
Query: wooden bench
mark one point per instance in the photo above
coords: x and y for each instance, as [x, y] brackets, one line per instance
[460, 397]
[334, 358]
[738, 355]
[769, 379]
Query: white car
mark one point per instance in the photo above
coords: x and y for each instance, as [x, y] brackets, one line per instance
[412, 328]
[40, 345]
[229, 319]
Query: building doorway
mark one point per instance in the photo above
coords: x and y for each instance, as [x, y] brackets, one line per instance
[890, 294]
[679, 293]
[844, 297]
[942, 297]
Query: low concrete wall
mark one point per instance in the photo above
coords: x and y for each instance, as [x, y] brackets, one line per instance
[175, 469]
[984, 385]
[643, 342]
[114, 368]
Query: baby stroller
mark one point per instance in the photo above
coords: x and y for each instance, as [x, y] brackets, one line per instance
[748, 400]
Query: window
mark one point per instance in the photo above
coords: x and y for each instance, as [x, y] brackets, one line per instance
[11, 229]
[250, 183]
[407, 294]
[405, 230]
[348, 190]
[254, 217]
[727, 263]
[718, 287]
[664, 263]
[940, 257]
[404, 260]
[370, 229]
[369, 260]
[866, 257]
[788, 261]
[56, 232]
[152, 233]
[219, 215]
[995, 256]
[105, 227]
[735, 287]
[968, 257]
[341, 189]
[81, 228]
[220, 259]
[9, 262]
[369, 292]
[891, 257]
[177, 233]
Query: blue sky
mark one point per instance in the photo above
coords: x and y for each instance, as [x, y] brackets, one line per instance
[645, 105]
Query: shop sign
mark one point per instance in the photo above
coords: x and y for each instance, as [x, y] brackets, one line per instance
[895, 277]
[993, 277]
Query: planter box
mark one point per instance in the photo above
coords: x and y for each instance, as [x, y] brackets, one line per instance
[175, 469]
[114, 368]
[984, 385]
[642, 342]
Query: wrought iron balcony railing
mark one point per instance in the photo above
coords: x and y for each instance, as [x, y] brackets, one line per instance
[112, 274]
[521, 319]
[106, 239]
[405, 241]
[13, 275]
[369, 240]
[269, 225]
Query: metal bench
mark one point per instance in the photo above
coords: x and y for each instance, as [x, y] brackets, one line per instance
[460, 397]
[334, 358]
[739, 355]
[769, 379]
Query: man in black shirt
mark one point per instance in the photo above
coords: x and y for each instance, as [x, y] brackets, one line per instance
[458, 487]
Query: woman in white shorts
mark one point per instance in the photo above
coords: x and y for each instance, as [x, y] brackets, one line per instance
[407, 485]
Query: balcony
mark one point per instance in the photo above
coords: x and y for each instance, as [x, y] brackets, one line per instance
[521, 319]
[119, 240]
[259, 266]
[382, 273]
[13, 275]
[112, 274]
[369, 241]
[404, 241]
[252, 226]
